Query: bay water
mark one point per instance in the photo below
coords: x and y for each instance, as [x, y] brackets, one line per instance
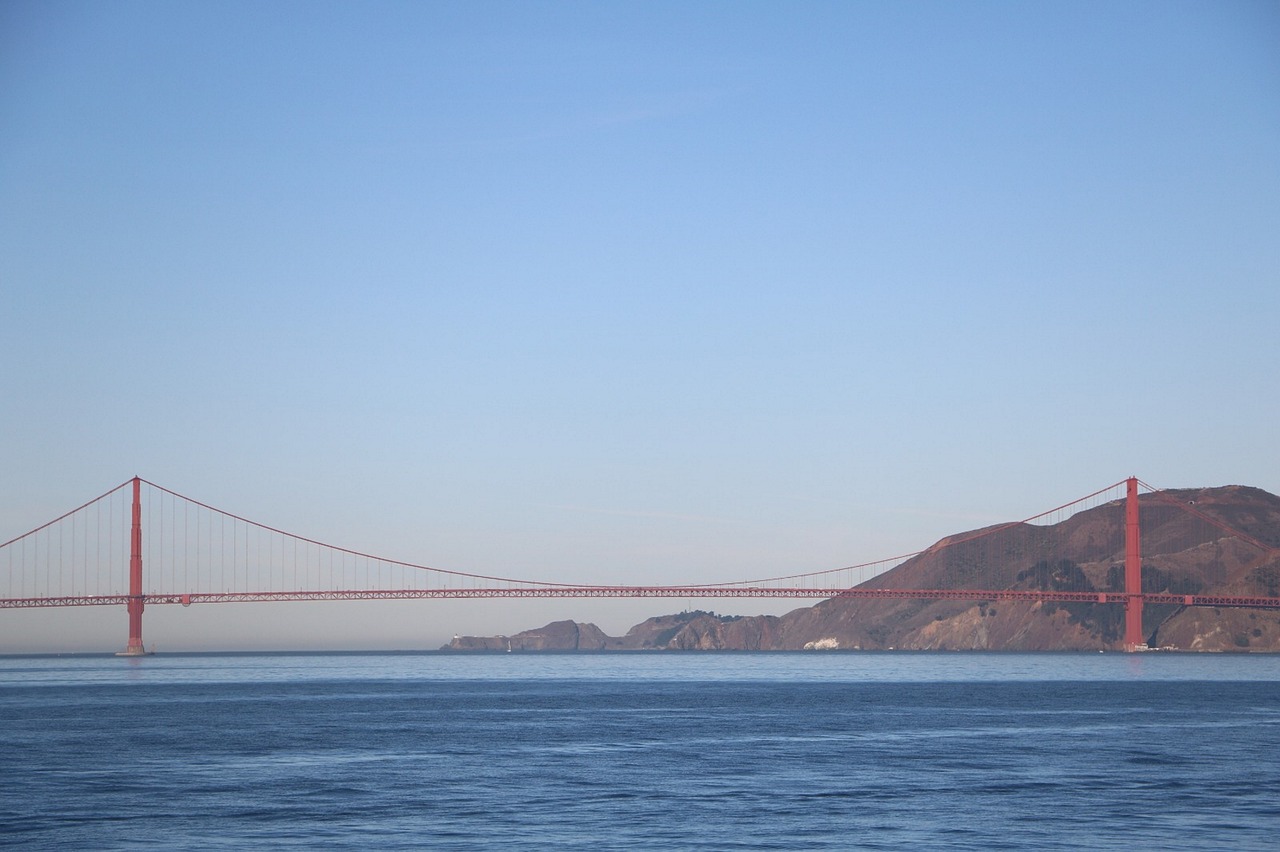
[819, 750]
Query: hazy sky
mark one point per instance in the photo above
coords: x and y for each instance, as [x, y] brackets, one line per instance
[626, 292]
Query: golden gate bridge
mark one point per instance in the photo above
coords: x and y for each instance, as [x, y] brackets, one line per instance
[94, 555]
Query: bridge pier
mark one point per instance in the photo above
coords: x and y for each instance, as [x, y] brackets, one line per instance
[1133, 638]
[134, 647]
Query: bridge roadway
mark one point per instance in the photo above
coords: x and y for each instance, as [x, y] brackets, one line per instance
[187, 599]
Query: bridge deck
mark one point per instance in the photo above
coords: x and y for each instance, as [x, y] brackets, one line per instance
[687, 592]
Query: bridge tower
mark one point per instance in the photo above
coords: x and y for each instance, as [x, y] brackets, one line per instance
[134, 648]
[1133, 638]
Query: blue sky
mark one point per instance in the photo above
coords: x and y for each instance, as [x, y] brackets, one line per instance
[631, 292]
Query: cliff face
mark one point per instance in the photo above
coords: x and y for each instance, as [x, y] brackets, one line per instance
[1188, 547]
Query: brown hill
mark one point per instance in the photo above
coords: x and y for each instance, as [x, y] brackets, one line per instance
[1184, 550]
[1194, 541]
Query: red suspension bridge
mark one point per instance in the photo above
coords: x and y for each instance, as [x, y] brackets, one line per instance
[95, 554]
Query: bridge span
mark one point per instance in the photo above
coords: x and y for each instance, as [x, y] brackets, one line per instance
[202, 555]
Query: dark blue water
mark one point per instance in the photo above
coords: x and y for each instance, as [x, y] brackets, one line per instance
[766, 751]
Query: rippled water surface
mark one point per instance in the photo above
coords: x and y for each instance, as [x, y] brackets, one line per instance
[732, 751]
